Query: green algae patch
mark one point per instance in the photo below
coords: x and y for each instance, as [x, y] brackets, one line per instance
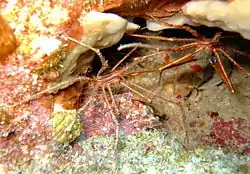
[66, 126]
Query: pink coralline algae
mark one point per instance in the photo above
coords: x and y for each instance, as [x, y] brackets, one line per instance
[230, 134]
[24, 129]
[134, 116]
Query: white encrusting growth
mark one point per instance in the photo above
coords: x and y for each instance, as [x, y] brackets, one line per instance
[101, 30]
[45, 45]
[232, 16]
[104, 29]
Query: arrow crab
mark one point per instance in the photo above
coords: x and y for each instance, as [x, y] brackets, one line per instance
[199, 43]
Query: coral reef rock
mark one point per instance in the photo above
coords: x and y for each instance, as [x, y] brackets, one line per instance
[149, 151]
[134, 116]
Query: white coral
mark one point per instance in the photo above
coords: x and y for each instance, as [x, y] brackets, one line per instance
[232, 16]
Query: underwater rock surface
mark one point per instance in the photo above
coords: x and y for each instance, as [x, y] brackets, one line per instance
[147, 152]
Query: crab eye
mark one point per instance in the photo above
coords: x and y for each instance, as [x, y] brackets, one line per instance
[212, 60]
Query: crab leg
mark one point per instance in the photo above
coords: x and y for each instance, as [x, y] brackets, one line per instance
[150, 92]
[97, 51]
[131, 89]
[233, 61]
[162, 38]
[50, 90]
[236, 51]
[125, 57]
[114, 119]
[188, 29]
[218, 66]
[184, 59]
